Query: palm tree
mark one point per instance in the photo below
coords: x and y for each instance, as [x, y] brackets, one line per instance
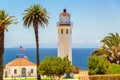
[110, 48]
[5, 20]
[36, 16]
[112, 43]
[100, 52]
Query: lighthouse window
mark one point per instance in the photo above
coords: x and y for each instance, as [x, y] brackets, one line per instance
[70, 31]
[61, 31]
[66, 31]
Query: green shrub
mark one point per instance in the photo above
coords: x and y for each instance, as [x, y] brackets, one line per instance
[113, 69]
[97, 65]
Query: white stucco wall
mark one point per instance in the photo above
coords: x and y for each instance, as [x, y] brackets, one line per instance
[10, 71]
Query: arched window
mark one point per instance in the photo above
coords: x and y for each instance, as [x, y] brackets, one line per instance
[61, 31]
[23, 72]
[66, 31]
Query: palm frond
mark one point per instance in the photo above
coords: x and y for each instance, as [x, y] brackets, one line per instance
[6, 20]
[35, 15]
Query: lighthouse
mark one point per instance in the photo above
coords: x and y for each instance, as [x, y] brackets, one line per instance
[65, 35]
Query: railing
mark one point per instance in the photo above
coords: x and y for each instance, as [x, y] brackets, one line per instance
[60, 24]
[100, 77]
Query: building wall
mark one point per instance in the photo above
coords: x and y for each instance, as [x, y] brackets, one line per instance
[64, 42]
[9, 71]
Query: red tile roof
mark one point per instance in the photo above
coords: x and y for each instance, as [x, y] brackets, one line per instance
[65, 14]
[21, 62]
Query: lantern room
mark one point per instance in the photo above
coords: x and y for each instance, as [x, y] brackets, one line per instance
[64, 18]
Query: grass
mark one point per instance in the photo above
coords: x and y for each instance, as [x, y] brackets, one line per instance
[20, 79]
[35, 79]
[29, 78]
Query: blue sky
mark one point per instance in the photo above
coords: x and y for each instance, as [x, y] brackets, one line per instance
[92, 21]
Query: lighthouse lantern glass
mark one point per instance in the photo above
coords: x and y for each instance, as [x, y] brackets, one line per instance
[64, 20]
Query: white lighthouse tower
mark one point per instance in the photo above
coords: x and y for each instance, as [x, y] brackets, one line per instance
[65, 35]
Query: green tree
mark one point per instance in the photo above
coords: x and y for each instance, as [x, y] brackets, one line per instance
[68, 67]
[5, 21]
[51, 66]
[97, 65]
[60, 68]
[36, 16]
[47, 66]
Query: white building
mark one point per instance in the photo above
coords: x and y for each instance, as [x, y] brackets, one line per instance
[20, 67]
[65, 35]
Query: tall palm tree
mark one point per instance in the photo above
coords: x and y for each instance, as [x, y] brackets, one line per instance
[36, 16]
[112, 41]
[5, 20]
[111, 47]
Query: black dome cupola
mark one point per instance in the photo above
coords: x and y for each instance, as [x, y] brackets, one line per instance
[64, 10]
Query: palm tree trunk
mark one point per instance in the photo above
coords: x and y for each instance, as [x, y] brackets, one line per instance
[37, 51]
[1, 52]
[1, 67]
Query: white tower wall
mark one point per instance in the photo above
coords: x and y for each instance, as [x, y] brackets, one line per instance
[65, 42]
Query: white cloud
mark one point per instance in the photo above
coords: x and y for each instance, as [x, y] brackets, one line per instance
[86, 41]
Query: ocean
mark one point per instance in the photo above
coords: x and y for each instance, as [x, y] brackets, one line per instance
[79, 55]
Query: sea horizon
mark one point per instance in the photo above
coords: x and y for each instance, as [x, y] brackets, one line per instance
[79, 55]
[52, 47]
